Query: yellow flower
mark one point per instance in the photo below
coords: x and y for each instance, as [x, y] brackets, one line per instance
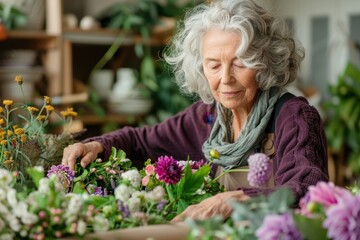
[8, 103]
[7, 154]
[69, 113]
[23, 138]
[19, 79]
[9, 162]
[41, 118]
[15, 126]
[47, 100]
[10, 133]
[19, 131]
[49, 108]
[2, 122]
[3, 142]
[32, 109]
[1, 110]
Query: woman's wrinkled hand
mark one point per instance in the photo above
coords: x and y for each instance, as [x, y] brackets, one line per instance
[86, 152]
[215, 205]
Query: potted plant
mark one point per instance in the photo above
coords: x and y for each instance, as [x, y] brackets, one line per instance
[343, 123]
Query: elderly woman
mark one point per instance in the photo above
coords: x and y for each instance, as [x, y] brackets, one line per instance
[237, 58]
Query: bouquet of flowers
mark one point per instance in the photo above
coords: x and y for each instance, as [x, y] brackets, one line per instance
[104, 196]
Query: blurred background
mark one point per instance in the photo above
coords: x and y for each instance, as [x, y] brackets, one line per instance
[103, 58]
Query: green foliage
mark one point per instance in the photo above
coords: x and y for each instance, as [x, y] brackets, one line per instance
[343, 126]
[12, 17]
[246, 218]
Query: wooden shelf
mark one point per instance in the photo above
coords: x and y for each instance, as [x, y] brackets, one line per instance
[120, 119]
[34, 40]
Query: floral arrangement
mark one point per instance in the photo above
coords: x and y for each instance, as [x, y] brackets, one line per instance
[104, 196]
[23, 139]
[325, 212]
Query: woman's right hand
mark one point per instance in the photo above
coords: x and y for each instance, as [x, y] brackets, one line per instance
[86, 152]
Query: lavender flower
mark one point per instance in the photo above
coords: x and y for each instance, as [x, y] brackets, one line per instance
[98, 191]
[168, 170]
[63, 173]
[260, 169]
[343, 219]
[277, 227]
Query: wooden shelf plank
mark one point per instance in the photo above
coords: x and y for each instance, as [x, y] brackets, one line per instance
[34, 40]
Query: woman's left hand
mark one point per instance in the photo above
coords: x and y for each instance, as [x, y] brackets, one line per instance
[215, 205]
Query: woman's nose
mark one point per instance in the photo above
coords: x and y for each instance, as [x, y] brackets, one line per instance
[226, 76]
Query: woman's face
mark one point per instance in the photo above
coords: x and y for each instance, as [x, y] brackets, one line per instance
[232, 84]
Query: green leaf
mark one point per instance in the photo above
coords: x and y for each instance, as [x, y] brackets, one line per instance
[311, 228]
[181, 206]
[35, 175]
[79, 187]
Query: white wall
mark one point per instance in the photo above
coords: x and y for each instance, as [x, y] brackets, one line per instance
[338, 12]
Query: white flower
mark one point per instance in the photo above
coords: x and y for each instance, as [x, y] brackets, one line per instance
[101, 224]
[20, 210]
[123, 192]
[5, 177]
[124, 160]
[81, 227]
[11, 198]
[134, 204]
[200, 191]
[13, 222]
[3, 209]
[157, 194]
[2, 225]
[74, 205]
[6, 236]
[29, 218]
[39, 168]
[44, 185]
[133, 176]
[2, 194]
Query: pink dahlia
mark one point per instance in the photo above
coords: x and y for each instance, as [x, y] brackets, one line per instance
[168, 170]
[343, 219]
[276, 227]
[324, 194]
[260, 169]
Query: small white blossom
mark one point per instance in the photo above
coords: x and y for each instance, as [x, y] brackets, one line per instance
[134, 204]
[29, 218]
[44, 185]
[123, 192]
[101, 224]
[2, 194]
[11, 198]
[21, 209]
[74, 205]
[200, 191]
[6, 236]
[13, 222]
[2, 225]
[157, 194]
[133, 176]
[39, 168]
[5, 177]
[81, 227]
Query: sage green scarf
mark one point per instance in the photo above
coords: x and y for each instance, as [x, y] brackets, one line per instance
[235, 154]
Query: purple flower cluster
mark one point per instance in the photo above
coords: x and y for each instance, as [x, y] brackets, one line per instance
[63, 173]
[260, 169]
[168, 170]
[343, 219]
[277, 227]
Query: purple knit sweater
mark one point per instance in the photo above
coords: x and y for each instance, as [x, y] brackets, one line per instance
[300, 142]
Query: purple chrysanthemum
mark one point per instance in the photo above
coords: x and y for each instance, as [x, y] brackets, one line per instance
[343, 219]
[276, 227]
[168, 170]
[63, 173]
[260, 169]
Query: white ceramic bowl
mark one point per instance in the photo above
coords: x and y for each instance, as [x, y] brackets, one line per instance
[131, 106]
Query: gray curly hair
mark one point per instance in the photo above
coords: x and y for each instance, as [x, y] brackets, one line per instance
[266, 45]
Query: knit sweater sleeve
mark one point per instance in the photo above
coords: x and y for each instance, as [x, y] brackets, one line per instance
[301, 147]
[181, 136]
